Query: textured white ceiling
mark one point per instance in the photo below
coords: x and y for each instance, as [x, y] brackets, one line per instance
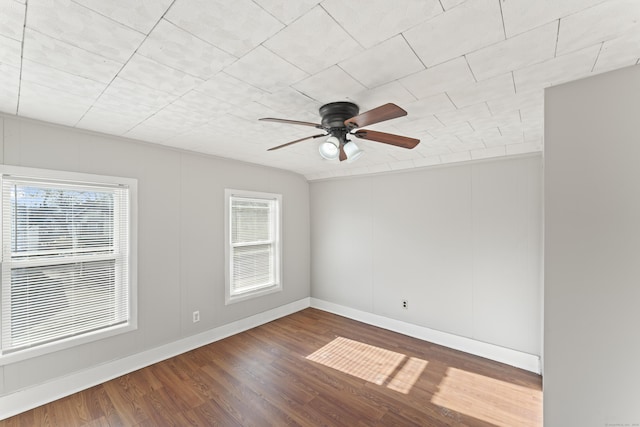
[197, 74]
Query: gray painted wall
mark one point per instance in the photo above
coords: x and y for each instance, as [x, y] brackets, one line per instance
[592, 252]
[463, 244]
[180, 237]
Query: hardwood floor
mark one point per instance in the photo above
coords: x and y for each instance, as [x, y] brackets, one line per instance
[311, 368]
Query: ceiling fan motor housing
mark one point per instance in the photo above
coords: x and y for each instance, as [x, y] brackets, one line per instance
[334, 115]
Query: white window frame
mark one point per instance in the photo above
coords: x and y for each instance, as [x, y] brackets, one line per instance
[53, 176]
[276, 286]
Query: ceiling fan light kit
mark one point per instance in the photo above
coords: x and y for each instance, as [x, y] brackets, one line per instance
[341, 119]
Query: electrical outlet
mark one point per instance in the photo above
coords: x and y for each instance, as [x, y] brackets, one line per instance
[196, 316]
[405, 303]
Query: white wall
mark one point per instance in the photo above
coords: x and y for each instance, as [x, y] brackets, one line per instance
[463, 244]
[180, 238]
[592, 251]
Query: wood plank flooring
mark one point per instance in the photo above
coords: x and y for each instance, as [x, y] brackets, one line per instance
[311, 368]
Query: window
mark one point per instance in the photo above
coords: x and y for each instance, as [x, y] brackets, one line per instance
[67, 272]
[253, 249]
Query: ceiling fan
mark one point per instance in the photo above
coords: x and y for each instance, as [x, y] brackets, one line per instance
[340, 120]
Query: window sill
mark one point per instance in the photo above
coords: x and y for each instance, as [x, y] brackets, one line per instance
[28, 353]
[232, 299]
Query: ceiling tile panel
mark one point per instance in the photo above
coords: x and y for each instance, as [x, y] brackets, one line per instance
[253, 111]
[391, 92]
[330, 85]
[295, 104]
[52, 105]
[10, 51]
[501, 141]
[477, 111]
[531, 116]
[122, 91]
[440, 78]
[147, 72]
[525, 49]
[599, 23]
[61, 80]
[287, 11]
[388, 61]
[234, 26]
[511, 130]
[620, 52]
[453, 132]
[140, 15]
[467, 146]
[66, 57]
[431, 147]
[225, 87]
[107, 121]
[313, 42]
[12, 19]
[458, 31]
[516, 101]
[558, 70]
[75, 24]
[175, 47]
[202, 105]
[524, 15]
[124, 106]
[448, 4]
[496, 121]
[486, 90]
[432, 105]
[374, 21]
[150, 132]
[424, 124]
[534, 135]
[174, 119]
[266, 70]
[10, 77]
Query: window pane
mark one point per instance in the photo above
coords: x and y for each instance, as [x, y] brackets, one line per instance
[252, 267]
[54, 302]
[51, 221]
[251, 220]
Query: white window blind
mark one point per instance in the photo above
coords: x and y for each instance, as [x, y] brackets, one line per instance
[65, 260]
[254, 247]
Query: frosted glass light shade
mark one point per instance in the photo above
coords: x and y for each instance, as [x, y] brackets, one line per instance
[329, 149]
[352, 151]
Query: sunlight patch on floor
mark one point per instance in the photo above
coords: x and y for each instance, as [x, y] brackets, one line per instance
[486, 398]
[408, 374]
[370, 363]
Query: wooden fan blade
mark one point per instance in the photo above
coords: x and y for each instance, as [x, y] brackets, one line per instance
[343, 155]
[387, 138]
[296, 141]
[291, 122]
[377, 115]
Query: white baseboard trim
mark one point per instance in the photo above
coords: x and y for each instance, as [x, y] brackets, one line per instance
[32, 397]
[494, 352]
